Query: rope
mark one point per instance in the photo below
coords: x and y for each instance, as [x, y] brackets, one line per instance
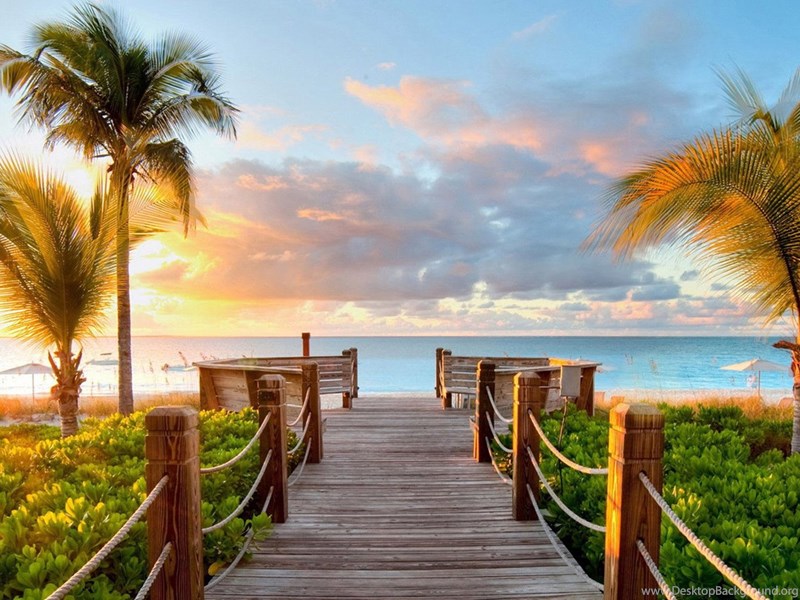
[556, 543]
[244, 502]
[298, 473]
[690, 535]
[494, 406]
[151, 577]
[505, 448]
[302, 437]
[651, 564]
[569, 512]
[570, 463]
[238, 457]
[302, 408]
[503, 477]
[249, 538]
[109, 546]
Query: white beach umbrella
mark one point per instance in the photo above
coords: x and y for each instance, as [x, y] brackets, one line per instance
[757, 365]
[31, 369]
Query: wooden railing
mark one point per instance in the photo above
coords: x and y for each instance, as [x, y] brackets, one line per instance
[634, 504]
[458, 376]
[172, 448]
[231, 383]
[173, 472]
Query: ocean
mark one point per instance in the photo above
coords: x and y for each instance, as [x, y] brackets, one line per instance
[406, 364]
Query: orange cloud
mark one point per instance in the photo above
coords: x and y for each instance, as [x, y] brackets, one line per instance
[316, 214]
[267, 184]
[602, 156]
[443, 111]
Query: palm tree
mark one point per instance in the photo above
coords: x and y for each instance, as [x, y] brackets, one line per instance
[730, 198]
[56, 271]
[98, 88]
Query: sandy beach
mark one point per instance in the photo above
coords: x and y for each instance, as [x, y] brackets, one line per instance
[21, 409]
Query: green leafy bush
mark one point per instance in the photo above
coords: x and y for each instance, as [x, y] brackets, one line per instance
[61, 500]
[725, 475]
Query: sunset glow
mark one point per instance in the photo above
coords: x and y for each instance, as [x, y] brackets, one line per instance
[418, 168]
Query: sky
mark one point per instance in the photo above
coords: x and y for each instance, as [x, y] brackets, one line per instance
[432, 168]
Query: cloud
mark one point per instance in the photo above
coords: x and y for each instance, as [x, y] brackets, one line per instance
[604, 125]
[692, 275]
[661, 291]
[386, 66]
[252, 136]
[429, 105]
[443, 111]
[486, 228]
[535, 29]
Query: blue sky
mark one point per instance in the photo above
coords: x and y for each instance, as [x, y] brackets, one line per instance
[432, 167]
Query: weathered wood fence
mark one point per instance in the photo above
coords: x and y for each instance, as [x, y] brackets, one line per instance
[634, 504]
[458, 376]
[231, 383]
[172, 450]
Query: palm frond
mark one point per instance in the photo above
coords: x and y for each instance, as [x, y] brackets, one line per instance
[55, 276]
[729, 198]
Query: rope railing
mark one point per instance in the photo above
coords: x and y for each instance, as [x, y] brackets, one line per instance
[303, 408]
[301, 437]
[556, 543]
[248, 540]
[242, 453]
[298, 472]
[109, 546]
[496, 437]
[567, 510]
[154, 572]
[558, 454]
[653, 568]
[497, 412]
[237, 511]
[695, 541]
[503, 477]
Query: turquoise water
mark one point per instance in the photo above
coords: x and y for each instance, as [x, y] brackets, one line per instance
[406, 364]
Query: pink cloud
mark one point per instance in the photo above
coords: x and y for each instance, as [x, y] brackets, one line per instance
[444, 111]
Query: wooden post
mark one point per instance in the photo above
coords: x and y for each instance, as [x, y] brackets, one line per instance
[586, 399]
[271, 398]
[311, 383]
[208, 393]
[635, 444]
[354, 372]
[529, 395]
[306, 343]
[485, 385]
[438, 383]
[447, 397]
[171, 448]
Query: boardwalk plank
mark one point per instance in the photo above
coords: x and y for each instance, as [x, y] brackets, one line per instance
[398, 509]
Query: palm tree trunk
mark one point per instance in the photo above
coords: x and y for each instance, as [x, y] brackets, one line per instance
[67, 389]
[124, 306]
[794, 348]
[67, 409]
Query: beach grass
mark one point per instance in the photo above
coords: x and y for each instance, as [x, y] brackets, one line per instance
[43, 409]
[753, 405]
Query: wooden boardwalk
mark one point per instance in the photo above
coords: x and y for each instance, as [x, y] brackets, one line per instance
[398, 509]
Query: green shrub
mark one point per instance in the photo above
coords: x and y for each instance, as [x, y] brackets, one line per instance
[724, 475]
[61, 500]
